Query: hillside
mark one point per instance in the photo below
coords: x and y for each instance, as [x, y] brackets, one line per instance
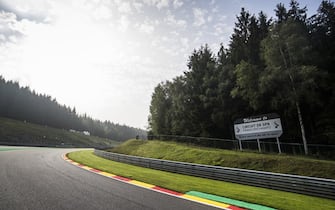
[227, 158]
[13, 132]
[21, 103]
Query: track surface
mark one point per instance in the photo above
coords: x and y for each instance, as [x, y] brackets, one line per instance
[38, 178]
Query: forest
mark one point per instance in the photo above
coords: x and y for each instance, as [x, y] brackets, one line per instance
[21, 103]
[282, 65]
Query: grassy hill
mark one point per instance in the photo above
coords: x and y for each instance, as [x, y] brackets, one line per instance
[15, 132]
[263, 162]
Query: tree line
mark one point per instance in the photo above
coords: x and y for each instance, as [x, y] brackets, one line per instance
[23, 104]
[282, 65]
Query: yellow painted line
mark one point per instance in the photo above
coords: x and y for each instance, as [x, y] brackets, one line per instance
[141, 184]
[107, 174]
[86, 167]
[202, 200]
[150, 186]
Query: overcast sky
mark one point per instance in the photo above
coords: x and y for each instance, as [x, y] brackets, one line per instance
[105, 57]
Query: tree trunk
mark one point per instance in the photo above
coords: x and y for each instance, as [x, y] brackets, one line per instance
[302, 128]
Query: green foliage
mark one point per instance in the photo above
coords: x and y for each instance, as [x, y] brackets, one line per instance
[200, 90]
[247, 84]
[158, 110]
[183, 183]
[21, 103]
[286, 52]
[277, 65]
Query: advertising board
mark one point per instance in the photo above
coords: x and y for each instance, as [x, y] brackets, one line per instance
[258, 127]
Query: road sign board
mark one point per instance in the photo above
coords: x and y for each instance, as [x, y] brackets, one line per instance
[258, 127]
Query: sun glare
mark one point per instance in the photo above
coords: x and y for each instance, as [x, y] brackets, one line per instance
[70, 50]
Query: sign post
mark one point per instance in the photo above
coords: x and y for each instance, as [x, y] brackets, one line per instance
[259, 127]
[240, 144]
[279, 149]
[259, 146]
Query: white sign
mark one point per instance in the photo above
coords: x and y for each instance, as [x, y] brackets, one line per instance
[258, 127]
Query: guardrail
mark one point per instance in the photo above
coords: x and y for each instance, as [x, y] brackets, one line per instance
[292, 183]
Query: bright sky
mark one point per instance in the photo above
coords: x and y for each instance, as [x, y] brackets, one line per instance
[105, 57]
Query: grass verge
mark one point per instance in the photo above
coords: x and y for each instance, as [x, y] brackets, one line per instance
[288, 164]
[23, 133]
[184, 183]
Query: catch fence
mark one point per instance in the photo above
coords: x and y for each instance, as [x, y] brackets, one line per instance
[267, 146]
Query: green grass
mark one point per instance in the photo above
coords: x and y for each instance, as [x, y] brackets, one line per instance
[289, 164]
[18, 132]
[183, 183]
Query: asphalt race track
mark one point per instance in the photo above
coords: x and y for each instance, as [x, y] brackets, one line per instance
[38, 178]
